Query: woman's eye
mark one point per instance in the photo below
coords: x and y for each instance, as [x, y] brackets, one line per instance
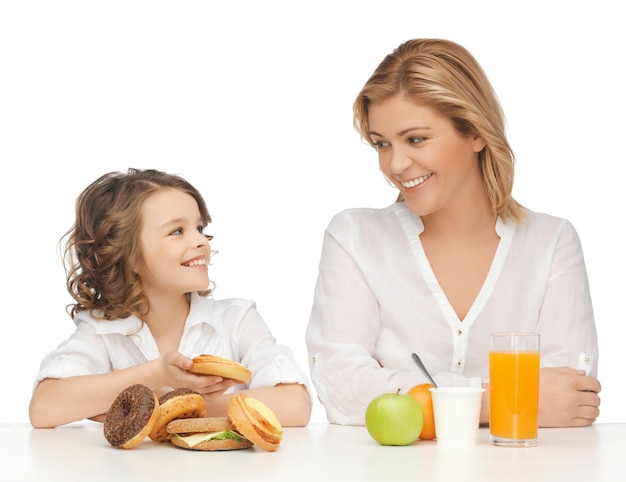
[415, 140]
[380, 144]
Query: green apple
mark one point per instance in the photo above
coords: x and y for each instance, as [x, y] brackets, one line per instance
[394, 419]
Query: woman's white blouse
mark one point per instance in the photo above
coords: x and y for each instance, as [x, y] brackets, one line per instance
[230, 328]
[377, 300]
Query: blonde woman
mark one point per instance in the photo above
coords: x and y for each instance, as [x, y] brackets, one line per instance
[453, 259]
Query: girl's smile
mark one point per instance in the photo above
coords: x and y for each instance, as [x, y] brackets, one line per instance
[199, 261]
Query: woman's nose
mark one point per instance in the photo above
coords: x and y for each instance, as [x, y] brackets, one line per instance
[398, 161]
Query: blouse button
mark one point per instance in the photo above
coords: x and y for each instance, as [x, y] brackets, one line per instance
[458, 364]
[459, 332]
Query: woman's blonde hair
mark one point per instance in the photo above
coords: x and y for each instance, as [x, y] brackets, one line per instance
[446, 77]
[102, 247]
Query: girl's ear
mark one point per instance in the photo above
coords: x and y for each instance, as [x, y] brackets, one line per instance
[135, 266]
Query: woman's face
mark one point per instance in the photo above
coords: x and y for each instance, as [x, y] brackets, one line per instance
[174, 250]
[424, 156]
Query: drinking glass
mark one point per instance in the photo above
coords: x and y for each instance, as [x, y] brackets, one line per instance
[513, 389]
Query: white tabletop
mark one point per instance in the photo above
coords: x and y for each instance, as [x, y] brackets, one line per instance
[79, 452]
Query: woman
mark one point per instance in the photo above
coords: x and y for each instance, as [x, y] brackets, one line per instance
[453, 259]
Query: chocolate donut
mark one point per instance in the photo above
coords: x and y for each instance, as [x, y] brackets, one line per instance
[131, 417]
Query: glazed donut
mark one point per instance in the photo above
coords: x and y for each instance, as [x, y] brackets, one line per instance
[131, 417]
[179, 403]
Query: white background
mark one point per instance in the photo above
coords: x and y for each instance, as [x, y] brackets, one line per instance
[251, 102]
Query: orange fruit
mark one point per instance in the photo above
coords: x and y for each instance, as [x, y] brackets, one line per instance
[425, 398]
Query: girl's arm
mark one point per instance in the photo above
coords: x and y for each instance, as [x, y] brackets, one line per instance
[289, 401]
[64, 400]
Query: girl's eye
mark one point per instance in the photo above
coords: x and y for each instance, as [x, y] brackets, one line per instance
[200, 228]
[177, 231]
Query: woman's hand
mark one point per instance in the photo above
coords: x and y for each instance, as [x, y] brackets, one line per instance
[567, 398]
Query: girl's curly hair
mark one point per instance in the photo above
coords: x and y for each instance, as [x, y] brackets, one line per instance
[102, 246]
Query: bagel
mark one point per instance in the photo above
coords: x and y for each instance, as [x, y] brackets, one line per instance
[131, 417]
[255, 421]
[208, 434]
[178, 403]
[215, 365]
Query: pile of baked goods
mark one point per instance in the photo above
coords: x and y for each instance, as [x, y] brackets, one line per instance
[179, 416]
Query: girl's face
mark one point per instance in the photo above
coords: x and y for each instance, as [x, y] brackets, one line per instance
[175, 252]
[424, 156]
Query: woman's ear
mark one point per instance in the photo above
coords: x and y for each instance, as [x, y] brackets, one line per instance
[478, 143]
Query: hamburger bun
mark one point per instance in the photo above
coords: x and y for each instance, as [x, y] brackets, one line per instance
[179, 403]
[223, 367]
[211, 433]
[255, 421]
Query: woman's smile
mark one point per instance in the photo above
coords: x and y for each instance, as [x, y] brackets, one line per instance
[416, 181]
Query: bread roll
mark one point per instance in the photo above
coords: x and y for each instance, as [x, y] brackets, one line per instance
[223, 367]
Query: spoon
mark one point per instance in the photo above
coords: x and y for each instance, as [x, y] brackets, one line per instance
[422, 368]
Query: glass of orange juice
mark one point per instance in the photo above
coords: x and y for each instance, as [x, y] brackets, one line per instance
[513, 389]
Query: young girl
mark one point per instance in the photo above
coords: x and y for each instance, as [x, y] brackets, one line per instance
[455, 258]
[136, 261]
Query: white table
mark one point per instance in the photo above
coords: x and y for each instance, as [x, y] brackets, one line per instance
[321, 452]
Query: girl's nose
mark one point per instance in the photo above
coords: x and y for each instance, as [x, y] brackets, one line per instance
[206, 240]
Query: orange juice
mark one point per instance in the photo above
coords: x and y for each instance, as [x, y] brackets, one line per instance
[514, 394]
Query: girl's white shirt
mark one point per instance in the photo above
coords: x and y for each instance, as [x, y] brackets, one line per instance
[231, 328]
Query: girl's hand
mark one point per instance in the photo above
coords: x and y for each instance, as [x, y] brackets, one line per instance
[176, 375]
